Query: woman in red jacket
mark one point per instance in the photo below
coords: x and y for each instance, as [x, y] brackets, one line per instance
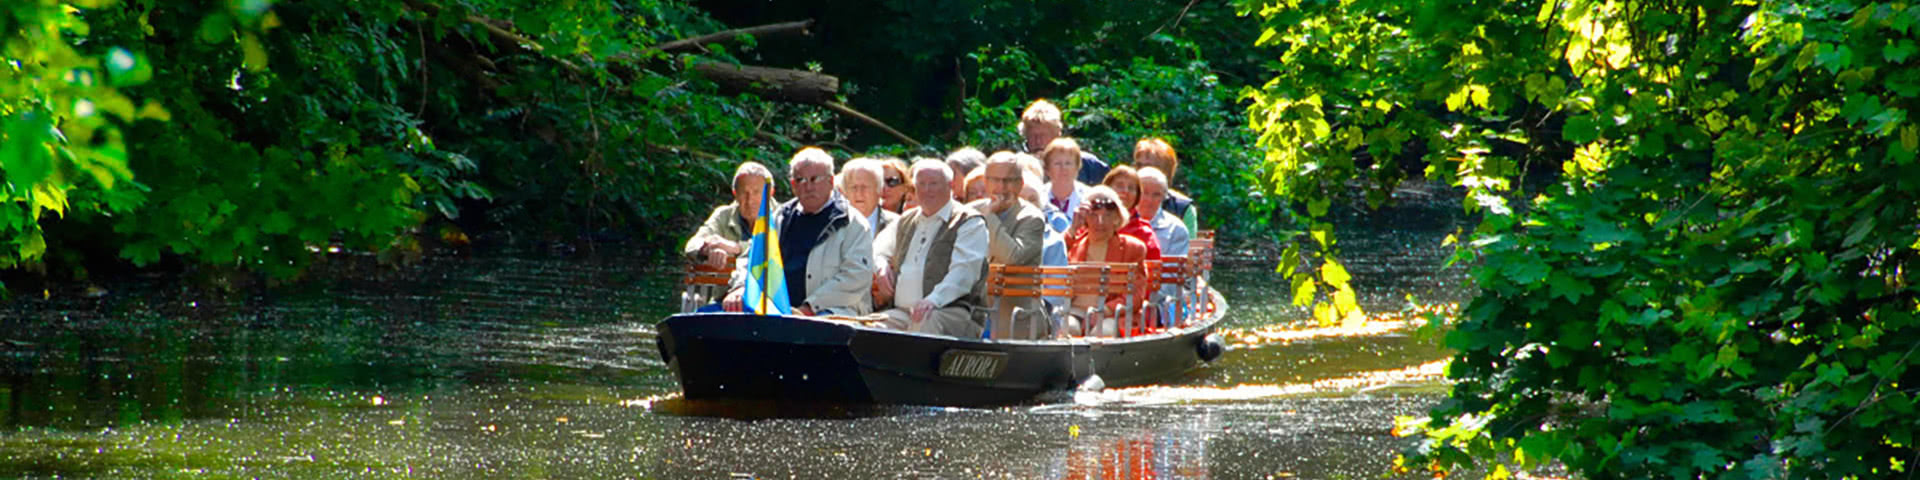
[1101, 242]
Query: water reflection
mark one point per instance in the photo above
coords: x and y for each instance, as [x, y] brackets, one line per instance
[520, 366]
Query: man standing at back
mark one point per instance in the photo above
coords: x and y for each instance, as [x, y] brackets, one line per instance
[1017, 232]
[1040, 124]
[931, 259]
[828, 254]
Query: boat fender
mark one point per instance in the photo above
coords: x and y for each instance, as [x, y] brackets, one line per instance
[1210, 348]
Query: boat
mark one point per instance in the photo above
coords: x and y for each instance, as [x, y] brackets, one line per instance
[796, 358]
[743, 356]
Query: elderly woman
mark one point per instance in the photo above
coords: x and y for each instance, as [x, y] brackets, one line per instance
[895, 188]
[1125, 182]
[1155, 152]
[1103, 215]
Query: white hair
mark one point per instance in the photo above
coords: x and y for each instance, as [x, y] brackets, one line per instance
[811, 154]
[869, 166]
[946, 173]
[1153, 173]
[1098, 192]
[751, 168]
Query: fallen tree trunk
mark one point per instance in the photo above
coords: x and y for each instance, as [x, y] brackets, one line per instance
[780, 84]
[773, 83]
[728, 35]
[787, 85]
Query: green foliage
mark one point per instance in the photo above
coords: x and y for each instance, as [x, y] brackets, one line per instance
[61, 111]
[297, 127]
[1116, 104]
[1186, 104]
[1719, 282]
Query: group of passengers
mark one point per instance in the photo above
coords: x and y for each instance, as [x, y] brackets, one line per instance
[907, 245]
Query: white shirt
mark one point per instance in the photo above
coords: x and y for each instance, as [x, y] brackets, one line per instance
[969, 252]
[1073, 199]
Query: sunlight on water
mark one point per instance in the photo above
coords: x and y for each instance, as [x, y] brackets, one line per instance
[518, 367]
[1377, 324]
[1423, 375]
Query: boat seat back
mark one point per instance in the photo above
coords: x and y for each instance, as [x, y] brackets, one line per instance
[1200, 254]
[1174, 295]
[703, 284]
[1107, 280]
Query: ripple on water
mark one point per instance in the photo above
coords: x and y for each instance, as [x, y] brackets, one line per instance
[545, 367]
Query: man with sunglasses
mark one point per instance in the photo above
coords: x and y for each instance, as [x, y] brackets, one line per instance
[827, 252]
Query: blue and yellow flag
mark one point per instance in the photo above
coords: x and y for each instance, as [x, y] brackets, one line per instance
[766, 274]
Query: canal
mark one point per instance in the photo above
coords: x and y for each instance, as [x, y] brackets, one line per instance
[537, 365]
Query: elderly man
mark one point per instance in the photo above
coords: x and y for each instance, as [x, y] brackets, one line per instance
[1156, 152]
[963, 162]
[931, 259]
[1017, 232]
[1169, 230]
[860, 183]
[727, 229]
[827, 252]
[1040, 124]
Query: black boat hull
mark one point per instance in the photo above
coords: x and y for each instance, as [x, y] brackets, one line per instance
[743, 356]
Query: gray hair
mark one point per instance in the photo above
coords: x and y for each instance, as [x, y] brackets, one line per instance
[1153, 173]
[1031, 164]
[966, 159]
[869, 166]
[751, 168]
[1003, 156]
[946, 172]
[811, 154]
[1102, 191]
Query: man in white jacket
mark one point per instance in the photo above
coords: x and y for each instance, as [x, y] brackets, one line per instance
[827, 251]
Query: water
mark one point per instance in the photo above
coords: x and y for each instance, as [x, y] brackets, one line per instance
[534, 367]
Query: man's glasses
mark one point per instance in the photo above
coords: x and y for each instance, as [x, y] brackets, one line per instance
[894, 182]
[812, 179]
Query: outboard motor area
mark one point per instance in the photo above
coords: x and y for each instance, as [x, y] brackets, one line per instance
[1210, 347]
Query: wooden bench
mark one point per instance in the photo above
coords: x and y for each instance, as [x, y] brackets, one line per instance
[703, 284]
[1172, 275]
[1105, 280]
[1200, 254]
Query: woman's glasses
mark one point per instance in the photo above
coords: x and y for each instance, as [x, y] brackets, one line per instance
[1104, 204]
[894, 182]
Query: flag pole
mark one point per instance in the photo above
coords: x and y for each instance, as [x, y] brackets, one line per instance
[765, 293]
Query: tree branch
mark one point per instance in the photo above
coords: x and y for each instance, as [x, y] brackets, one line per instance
[849, 111]
[1176, 19]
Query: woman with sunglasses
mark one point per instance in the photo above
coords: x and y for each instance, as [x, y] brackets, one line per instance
[1102, 242]
[895, 188]
[1125, 183]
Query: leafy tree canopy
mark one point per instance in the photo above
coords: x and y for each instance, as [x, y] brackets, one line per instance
[1716, 280]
